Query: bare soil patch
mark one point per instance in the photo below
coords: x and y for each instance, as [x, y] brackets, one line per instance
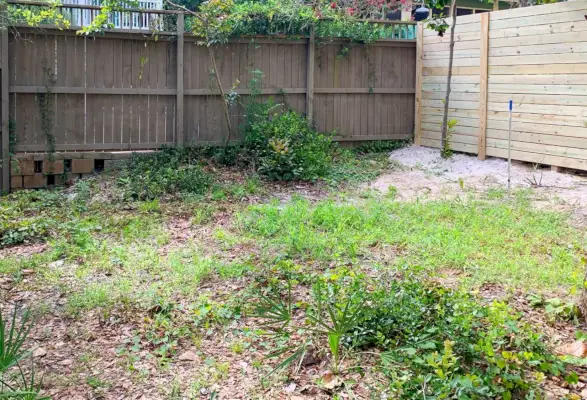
[424, 174]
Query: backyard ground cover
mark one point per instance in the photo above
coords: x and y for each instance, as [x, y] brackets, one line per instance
[342, 288]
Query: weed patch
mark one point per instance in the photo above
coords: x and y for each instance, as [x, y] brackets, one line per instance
[165, 172]
[355, 168]
[434, 342]
[498, 242]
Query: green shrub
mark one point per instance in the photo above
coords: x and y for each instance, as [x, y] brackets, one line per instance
[222, 155]
[166, 172]
[285, 148]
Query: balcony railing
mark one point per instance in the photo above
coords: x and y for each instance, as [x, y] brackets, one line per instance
[150, 17]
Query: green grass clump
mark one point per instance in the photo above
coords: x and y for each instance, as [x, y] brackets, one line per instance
[499, 242]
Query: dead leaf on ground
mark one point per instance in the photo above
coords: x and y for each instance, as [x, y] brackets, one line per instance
[575, 349]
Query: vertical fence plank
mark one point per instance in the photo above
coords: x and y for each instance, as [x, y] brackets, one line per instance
[310, 77]
[122, 100]
[5, 116]
[179, 106]
[418, 111]
[481, 142]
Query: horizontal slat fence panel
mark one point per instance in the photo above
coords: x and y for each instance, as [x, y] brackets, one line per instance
[536, 57]
[119, 91]
[465, 83]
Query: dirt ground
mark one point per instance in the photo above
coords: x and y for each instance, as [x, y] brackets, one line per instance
[424, 174]
[88, 357]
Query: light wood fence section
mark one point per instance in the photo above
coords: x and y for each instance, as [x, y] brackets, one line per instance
[535, 56]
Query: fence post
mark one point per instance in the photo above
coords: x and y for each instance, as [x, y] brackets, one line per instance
[179, 99]
[5, 114]
[418, 102]
[482, 138]
[310, 77]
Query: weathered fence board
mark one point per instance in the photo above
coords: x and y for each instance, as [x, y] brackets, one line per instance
[535, 56]
[121, 91]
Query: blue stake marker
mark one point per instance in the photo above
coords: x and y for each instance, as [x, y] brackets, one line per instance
[510, 147]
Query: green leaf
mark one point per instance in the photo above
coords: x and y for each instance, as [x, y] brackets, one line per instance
[410, 351]
[572, 378]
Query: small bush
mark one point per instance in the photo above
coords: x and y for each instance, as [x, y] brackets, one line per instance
[166, 172]
[285, 148]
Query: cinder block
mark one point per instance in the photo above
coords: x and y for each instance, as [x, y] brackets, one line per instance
[95, 155]
[23, 156]
[34, 181]
[53, 167]
[82, 166]
[23, 167]
[16, 182]
[39, 156]
[125, 155]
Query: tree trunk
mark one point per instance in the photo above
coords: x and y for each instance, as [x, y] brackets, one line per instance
[222, 94]
[444, 132]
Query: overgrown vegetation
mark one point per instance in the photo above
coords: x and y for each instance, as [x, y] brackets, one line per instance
[434, 342]
[166, 172]
[485, 241]
[205, 272]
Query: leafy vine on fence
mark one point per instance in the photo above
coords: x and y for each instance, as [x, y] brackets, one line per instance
[45, 101]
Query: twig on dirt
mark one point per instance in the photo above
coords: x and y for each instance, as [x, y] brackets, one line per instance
[533, 182]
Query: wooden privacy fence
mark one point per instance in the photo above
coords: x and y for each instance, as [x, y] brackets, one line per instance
[535, 56]
[128, 90]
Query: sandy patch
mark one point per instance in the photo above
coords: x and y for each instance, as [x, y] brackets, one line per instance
[423, 174]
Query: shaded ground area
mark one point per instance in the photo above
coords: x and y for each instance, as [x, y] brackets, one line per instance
[154, 299]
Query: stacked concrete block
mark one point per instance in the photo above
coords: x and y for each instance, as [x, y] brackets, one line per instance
[54, 167]
[82, 166]
[30, 170]
[34, 181]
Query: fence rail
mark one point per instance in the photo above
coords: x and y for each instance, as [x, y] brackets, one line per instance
[535, 56]
[131, 90]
